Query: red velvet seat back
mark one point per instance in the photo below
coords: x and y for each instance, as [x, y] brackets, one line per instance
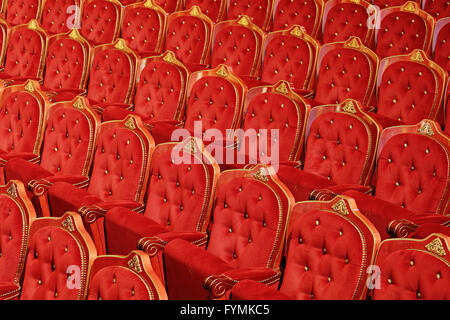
[441, 43]
[61, 253]
[128, 277]
[345, 18]
[329, 246]
[346, 70]
[112, 74]
[70, 138]
[170, 6]
[68, 62]
[22, 11]
[389, 3]
[121, 160]
[258, 11]
[189, 36]
[216, 10]
[180, 193]
[26, 51]
[4, 35]
[439, 9]
[411, 88]
[161, 87]
[238, 44]
[290, 55]
[403, 29]
[22, 119]
[144, 27]
[413, 269]
[100, 21]
[16, 215]
[249, 218]
[413, 168]
[60, 15]
[341, 143]
[276, 107]
[307, 14]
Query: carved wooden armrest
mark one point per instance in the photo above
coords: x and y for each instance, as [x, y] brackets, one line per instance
[401, 228]
[322, 195]
[152, 245]
[90, 214]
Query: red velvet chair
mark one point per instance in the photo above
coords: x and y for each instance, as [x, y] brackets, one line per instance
[170, 6]
[118, 177]
[100, 21]
[179, 202]
[189, 37]
[341, 142]
[403, 29]
[66, 69]
[439, 9]
[131, 276]
[345, 18]
[216, 10]
[307, 14]
[112, 76]
[346, 70]
[413, 269]
[22, 11]
[23, 114]
[67, 151]
[329, 246]
[4, 36]
[238, 44]
[259, 11]
[25, 55]
[246, 238]
[144, 28]
[60, 16]
[16, 216]
[390, 3]
[441, 41]
[59, 258]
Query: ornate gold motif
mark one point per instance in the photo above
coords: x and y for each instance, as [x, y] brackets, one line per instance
[169, 57]
[68, 224]
[416, 56]
[436, 247]
[222, 71]
[261, 175]
[190, 147]
[353, 43]
[296, 31]
[149, 4]
[355, 1]
[74, 34]
[130, 124]
[120, 44]
[33, 25]
[244, 21]
[12, 191]
[79, 104]
[426, 129]
[282, 88]
[29, 86]
[410, 7]
[195, 11]
[340, 207]
[134, 264]
[349, 107]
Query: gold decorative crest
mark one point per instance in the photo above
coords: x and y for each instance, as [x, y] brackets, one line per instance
[222, 71]
[296, 31]
[68, 224]
[261, 175]
[169, 56]
[426, 129]
[349, 107]
[120, 44]
[190, 147]
[353, 43]
[130, 124]
[340, 207]
[410, 7]
[74, 34]
[29, 86]
[416, 56]
[33, 25]
[282, 88]
[195, 11]
[244, 20]
[79, 104]
[436, 247]
[134, 264]
[12, 191]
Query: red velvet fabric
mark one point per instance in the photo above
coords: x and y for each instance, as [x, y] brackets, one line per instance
[437, 8]
[9, 290]
[100, 21]
[442, 44]
[215, 10]
[254, 290]
[257, 10]
[426, 229]
[21, 11]
[56, 14]
[388, 3]
[303, 13]
[169, 6]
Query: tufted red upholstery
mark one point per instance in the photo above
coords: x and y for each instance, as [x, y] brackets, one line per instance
[389, 3]
[238, 44]
[346, 70]
[189, 36]
[247, 231]
[411, 88]
[216, 10]
[259, 11]
[57, 247]
[58, 15]
[144, 27]
[439, 9]
[403, 29]
[4, 34]
[170, 6]
[307, 14]
[414, 269]
[441, 42]
[290, 55]
[100, 21]
[16, 215]
[22, 11]
[345, 18]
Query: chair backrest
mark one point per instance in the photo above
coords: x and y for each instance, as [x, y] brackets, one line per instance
[411, 88]
[181, 187]
[249, 218]
[144, 28]
[112, 74]
[441, 43]
[4, 36]
[259, 11]
[68, 61]
[59, 259]
[346, 70]
[341, 143]
[216, 10]
[70, 138]
[22, 11]
[238, 44]
[16, 215]
[290, 55]
[278, 108]
[413, 169]
[122, 160]
[382, 4]
[170, 6]
[307, 14]
[23, 117]
[27, 49]
[128, 277]
[439, 9]
[329, 246]
[60, 16]
[189, 35]
[161, 87]
[100, 21]
[403, 29]
[413, 269]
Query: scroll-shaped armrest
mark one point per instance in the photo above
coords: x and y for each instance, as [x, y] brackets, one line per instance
[254, 290]
[116, 113]
[162, 130]
[28, 156]
[152, 245]
[93, 212]
[41, 186]
[100, 107]
[330, 192]
[405, 227]
[67, 94]
[219, 285]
